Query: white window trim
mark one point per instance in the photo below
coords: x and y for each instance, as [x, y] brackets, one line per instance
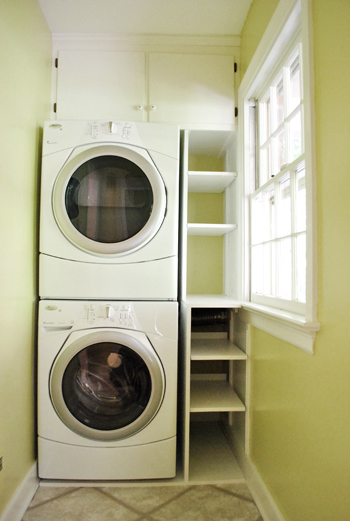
[289, 17]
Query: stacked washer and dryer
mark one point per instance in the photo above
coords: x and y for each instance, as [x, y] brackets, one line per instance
[108, 311]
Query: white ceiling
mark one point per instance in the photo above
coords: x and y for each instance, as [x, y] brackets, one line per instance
[166, 17]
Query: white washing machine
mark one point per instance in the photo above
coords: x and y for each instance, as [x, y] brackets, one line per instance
[109, 211]
[107, 390]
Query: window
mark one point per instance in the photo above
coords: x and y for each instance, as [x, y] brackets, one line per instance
[277, 160]
[278, 203]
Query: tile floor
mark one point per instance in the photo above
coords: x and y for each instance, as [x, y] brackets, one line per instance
[226, 502]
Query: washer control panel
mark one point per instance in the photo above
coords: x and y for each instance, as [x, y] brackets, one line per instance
[55, 317]
[117, 314]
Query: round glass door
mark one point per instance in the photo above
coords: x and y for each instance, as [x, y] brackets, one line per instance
[109, 389]
[109, 200]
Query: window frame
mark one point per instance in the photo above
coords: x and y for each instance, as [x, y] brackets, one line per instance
[291, 18]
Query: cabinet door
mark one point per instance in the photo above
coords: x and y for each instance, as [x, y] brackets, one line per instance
[101, 85]
[191, 88]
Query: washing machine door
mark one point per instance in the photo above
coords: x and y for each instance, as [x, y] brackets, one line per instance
[107, 385]
[109, 200]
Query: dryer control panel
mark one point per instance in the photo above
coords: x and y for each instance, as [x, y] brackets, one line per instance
[118, 129]
[62, 135]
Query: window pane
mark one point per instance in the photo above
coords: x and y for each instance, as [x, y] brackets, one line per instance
[285, 269]
[284, 211]
[267, 118]
[265, 168]
[265, 127]
[279, 151]
[301, 268]
[301, 202]
[269, 215]
[269, 269]
[279, 103]
[257, 269]
[294, 85]
[257, 220]
[295, 137]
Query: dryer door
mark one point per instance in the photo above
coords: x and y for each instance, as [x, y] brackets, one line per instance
[107, 385]
[109, 200]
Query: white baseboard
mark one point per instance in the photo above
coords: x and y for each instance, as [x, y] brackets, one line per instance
[20, 501]
[262, 497]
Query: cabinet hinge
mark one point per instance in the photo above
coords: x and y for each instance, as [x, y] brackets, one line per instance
[235, 67]
[56, 63]
[55, 107]
[236, 112]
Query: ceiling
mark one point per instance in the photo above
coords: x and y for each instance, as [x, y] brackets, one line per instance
[166, 17]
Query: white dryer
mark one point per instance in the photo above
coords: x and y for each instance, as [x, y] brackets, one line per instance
[107, 390]
[109, 211]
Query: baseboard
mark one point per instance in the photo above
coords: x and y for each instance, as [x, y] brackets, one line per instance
[262, 497]
[20, 501]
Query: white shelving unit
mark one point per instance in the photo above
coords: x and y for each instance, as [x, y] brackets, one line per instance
[214, 369]
[209, 229]
[209, 182]
[212, 394]
[222, 349]
[213, 366]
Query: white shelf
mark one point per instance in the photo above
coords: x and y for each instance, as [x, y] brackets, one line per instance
[211, 459]
[212, 301]
[209, 229]
[215, 349]
[209, 182]
[213, 396]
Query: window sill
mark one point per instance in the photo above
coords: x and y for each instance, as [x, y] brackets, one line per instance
[290, 327]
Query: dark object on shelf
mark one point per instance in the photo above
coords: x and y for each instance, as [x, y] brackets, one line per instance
[208, 317]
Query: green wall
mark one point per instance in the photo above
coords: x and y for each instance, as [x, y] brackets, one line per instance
[300, 418]
[205, 255]
[25, 63]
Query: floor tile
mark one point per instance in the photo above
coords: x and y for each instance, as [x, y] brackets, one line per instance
[206, 503]
[85, 504]
[144, 499]
[238, 489]
[45, 494]
[226, 502]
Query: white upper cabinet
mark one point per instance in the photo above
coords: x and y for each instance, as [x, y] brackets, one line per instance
[191, 89]
[101, 85]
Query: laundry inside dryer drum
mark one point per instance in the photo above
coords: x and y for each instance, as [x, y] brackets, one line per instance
[106, 386]
[109, 199]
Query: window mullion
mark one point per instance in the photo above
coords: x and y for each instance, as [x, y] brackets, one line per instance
[277, 248]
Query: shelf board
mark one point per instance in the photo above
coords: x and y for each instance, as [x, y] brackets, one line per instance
[215, 349]
[209, 229]
[209, 182]
[213, 396]
[211, 459]
[212, 301]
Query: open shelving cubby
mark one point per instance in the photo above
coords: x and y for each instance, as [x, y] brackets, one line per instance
[212, 366]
